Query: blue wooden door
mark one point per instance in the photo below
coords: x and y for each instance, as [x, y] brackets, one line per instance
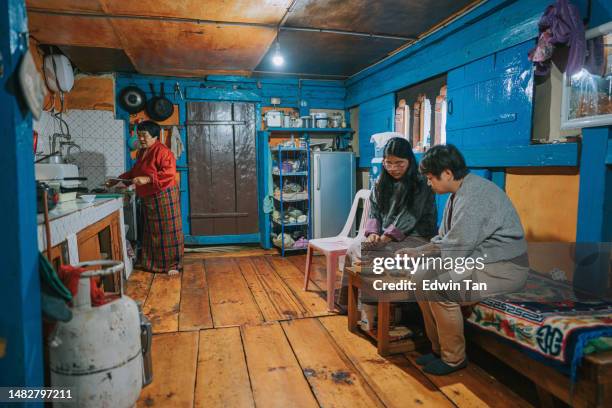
[375, 116]
[490, 100]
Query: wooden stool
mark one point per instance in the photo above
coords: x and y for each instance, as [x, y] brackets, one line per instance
[384, 345]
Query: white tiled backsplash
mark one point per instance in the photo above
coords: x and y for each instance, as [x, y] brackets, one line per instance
[100, 137]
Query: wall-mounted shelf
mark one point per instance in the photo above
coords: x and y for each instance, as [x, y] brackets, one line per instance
[291, 149]
[290, 224]
[310, 130]
[295, 173]
[291, 199]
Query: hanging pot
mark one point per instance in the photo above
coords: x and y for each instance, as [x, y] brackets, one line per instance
[132, 99]
[159, 108]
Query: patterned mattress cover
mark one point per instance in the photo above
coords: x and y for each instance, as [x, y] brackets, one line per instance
[556, 331]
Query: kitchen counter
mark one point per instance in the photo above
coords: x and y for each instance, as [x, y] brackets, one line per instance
[68, 219]
[70, 207]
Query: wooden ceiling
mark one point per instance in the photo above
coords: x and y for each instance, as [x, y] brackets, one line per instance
[325, 38]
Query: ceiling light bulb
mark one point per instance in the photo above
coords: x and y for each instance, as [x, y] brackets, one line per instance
[278, 59]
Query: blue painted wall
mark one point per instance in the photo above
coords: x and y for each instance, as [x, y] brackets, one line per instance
[302, 94]
[20, 315]
[375, 116]
[595, 200]
[490, 102]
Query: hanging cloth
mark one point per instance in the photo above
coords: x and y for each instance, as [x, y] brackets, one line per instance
[560, 24]
[176, 144]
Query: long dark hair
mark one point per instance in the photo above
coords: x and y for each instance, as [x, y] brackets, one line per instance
[401, 148]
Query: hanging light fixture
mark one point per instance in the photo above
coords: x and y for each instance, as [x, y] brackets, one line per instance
[277, 58]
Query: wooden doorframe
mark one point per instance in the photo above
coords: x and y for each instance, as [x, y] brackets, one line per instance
[185, 207]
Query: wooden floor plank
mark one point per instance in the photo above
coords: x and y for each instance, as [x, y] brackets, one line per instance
[223, 378]
[235, 254]
[138, 285]
[318, 273]
[396, 382]
[175, 358]
[312, 300]
[275, 299]
[195, 307]
[231, 301]
[163, 303]
[473, 387]
[276, 376]
[334, 381]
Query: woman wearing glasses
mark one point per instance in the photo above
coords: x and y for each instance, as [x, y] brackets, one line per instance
[402, 204]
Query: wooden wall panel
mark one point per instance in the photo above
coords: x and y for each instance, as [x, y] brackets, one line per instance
[89, 92]
[174, 119]
[547, 203]
[92, 93]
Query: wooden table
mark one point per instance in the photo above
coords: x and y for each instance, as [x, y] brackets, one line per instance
[383, 343]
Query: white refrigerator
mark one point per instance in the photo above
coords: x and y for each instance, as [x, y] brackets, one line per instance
[332, 191]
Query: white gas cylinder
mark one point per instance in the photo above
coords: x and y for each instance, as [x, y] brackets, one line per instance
[99, 353]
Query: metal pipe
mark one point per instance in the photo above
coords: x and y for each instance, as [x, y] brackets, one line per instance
[344, 32]
[286, 15]
[301, 74]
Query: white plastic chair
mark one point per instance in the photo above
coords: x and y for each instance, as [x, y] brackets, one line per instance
[335, 248]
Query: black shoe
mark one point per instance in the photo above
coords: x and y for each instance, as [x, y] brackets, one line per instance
[426, 359]
[439, 367]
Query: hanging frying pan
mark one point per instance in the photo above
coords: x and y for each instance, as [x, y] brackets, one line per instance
[132, 99]
[159, 108]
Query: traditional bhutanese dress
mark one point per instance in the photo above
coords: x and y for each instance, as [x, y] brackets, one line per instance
[399, 221]
[162, 232]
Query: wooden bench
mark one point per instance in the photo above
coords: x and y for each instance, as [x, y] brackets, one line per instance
[592, 389]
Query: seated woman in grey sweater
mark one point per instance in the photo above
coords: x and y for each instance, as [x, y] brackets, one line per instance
[481, 223]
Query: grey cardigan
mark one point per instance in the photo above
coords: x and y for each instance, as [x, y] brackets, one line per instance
[484, 223]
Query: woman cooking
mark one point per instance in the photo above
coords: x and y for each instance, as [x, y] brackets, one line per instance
[153, 175]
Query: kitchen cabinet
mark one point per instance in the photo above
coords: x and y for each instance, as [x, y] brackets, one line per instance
[102, 240]
[59, 255]
[87, 231]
